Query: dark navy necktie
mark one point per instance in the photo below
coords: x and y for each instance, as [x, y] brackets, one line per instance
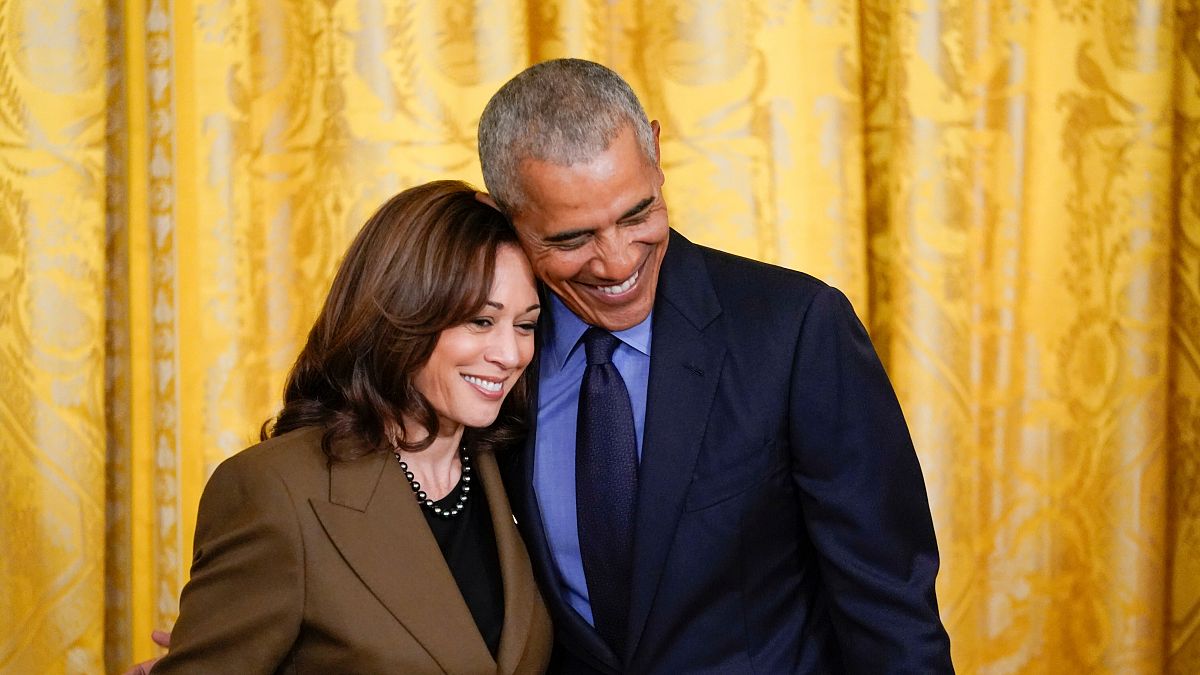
[606, 468]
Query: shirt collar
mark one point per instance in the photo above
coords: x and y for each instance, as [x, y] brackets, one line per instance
[564, 329]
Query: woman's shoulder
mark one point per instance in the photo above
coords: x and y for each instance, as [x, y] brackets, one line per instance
[293, 457]
[301, 446]
[294, 460]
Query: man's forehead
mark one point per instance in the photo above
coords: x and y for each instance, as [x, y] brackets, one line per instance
[551, 208]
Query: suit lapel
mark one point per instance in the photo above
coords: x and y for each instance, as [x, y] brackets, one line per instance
[377, 525]
[684, 368]
[569, 626]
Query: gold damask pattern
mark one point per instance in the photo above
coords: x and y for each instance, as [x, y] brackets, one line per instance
[52, 270]
[1021, 247]
[1008, 191]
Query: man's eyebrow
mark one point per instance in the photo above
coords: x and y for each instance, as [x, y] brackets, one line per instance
[637, 209]
[567, 236]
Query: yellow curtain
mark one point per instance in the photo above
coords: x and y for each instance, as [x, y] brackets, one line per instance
[1009, 191]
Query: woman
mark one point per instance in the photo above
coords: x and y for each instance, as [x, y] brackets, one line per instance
[370, 532]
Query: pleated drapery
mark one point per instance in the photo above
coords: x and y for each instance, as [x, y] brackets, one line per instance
[1008, 191]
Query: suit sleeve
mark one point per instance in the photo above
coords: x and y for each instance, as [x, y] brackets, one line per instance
[863, 496]
[241, 610]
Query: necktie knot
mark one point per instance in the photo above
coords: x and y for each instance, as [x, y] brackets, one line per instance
[599, 345]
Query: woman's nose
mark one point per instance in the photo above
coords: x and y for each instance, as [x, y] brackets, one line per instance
[503, 349]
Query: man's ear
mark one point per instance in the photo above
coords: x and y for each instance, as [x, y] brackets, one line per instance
[485, 198]
[657, 129]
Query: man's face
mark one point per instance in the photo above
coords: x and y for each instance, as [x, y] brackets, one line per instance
[596, 232]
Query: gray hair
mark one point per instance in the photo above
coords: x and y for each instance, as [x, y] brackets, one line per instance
[564, 111]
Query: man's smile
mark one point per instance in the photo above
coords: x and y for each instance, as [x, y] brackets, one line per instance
[619, 288]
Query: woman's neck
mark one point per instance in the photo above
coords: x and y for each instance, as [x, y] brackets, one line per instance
[438, 467]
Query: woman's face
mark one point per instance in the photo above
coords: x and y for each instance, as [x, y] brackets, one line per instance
[476, 364]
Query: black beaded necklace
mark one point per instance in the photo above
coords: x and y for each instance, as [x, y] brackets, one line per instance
[423, 498]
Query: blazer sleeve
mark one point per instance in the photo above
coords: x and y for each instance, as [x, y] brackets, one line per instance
[242, 608]
[863, 496]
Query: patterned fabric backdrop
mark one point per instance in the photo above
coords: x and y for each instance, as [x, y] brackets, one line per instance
[1008, 190]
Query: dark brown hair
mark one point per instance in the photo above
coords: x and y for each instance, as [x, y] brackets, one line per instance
[424, 262]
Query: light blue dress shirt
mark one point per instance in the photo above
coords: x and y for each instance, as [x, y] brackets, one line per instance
[562, 362]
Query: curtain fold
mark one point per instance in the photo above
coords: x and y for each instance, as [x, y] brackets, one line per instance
[1182, 541]
[1009, 193]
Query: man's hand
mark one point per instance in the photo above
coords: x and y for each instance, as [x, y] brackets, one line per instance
[161, 638]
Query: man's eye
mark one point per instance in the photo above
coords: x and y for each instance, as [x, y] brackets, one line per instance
[570, 244]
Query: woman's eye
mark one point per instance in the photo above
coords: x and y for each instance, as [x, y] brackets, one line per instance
[481, 322]
[531, 326]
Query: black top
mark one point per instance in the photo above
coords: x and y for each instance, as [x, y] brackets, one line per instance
[468, 542]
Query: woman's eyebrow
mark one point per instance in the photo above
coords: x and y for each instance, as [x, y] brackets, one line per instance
[500, 305]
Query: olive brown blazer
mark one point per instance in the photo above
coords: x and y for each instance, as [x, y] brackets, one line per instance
[302, 566]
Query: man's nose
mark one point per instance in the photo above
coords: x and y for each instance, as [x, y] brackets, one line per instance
[616, 258]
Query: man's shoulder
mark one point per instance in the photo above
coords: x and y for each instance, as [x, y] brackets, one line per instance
[741, 281]
[733, 267]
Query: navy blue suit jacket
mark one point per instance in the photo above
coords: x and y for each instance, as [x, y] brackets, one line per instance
[782, 520]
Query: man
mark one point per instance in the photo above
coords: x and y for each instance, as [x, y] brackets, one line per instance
[728, 485]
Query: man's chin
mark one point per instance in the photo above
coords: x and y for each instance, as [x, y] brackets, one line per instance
[605, 313]
[619, 320]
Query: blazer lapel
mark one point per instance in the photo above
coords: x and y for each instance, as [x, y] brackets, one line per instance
[684, 368]
[377, 525]
[519, 590]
